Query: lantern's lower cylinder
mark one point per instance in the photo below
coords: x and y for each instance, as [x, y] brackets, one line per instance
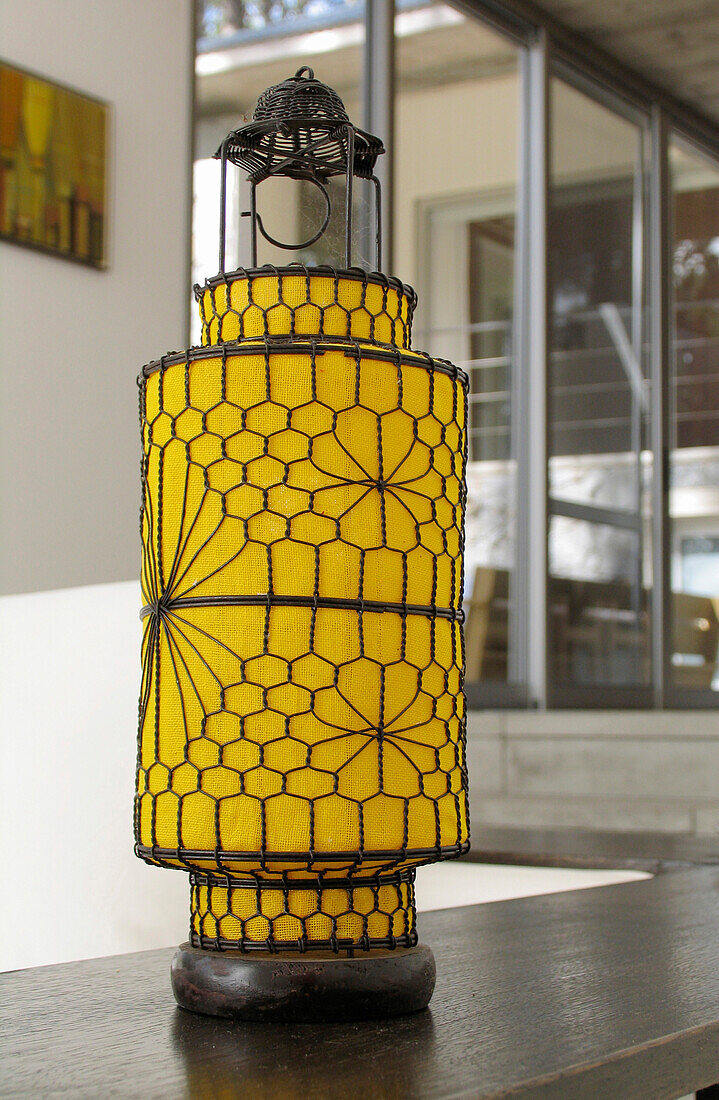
[301, 742]
[349, 915]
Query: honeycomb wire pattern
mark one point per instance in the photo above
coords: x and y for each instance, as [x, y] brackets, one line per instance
[302, 733]
[297, 301]
[354, 914]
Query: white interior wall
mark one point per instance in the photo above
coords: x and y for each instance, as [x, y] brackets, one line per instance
[69, 681]
[69, 672]
[451, 141]
[69, 459]
[73, 338]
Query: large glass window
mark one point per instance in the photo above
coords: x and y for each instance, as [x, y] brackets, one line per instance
[244, 48]
[456, 172]
[694, 429]
[598, 432]
[466, 151]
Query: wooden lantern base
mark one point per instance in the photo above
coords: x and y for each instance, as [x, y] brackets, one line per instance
[313, 986]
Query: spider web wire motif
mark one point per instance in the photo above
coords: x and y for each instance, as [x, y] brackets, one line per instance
[301, 733]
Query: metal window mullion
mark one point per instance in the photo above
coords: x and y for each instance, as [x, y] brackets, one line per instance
[660, 329]
[378, 98]
[639, 395]
[529, 603]
[191, 108]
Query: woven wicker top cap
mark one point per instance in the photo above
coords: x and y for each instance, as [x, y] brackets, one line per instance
[300, 128]
[300, 97]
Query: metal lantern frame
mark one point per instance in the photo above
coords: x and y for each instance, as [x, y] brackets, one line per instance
[302, 727]
[301, 131]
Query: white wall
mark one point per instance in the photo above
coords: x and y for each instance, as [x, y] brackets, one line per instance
[69, 682]
[443, 117]
[72, 339]
[69, 672]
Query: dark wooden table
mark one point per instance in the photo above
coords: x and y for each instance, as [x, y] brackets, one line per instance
[609, 993]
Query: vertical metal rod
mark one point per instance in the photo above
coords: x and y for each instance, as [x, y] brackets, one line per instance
[348, 194]
[253, 223]
[532, 588]
[223, 204]
[637, 393]
[192, 133]
[660, 268]
[379, 82]
[378, 221]
[520, 394]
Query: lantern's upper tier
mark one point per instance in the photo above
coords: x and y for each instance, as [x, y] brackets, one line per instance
[298, 301]
[300, 128]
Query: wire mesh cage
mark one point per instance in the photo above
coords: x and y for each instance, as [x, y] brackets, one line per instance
[299, 301]
[295, 915]
[301, 130]
[301, 744]
[302, 709]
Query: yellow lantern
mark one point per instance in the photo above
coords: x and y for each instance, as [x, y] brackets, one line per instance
[302, 744]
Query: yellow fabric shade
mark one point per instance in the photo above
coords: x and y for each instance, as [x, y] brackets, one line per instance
[376, 912]
[276, 303]
[302, 706]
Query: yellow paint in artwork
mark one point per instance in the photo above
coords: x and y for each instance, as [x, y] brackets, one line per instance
[52, 166]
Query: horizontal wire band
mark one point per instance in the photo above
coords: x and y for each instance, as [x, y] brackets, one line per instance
[365, 943]
[304, 345]
[323, 271]
[324, 602]
[228, 880]
[396, 855]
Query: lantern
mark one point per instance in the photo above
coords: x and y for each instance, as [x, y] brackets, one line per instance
[302, 733]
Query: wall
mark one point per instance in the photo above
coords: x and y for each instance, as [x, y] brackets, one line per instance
[617, 770]
[68, 747]
[69, 682]
[72, 338]
[486, 163]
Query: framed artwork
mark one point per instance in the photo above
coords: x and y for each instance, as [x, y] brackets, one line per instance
[53, 167]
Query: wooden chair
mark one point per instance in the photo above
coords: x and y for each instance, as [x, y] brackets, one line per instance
[695, 640]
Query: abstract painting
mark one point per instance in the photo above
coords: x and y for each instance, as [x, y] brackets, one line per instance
[53, 167]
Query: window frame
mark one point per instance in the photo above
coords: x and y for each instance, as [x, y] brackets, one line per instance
[548, 49]
[605, 696]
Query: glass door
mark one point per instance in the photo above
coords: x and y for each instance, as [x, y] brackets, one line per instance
[694, 421]
[598, 405]
[458, 110]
